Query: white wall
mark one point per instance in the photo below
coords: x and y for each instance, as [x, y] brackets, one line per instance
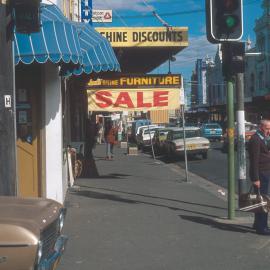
[53, 134]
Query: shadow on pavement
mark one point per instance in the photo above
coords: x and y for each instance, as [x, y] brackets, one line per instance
[153, 197]
[219, 225]
[115, 198]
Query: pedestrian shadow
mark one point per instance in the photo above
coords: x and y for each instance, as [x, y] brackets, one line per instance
[218, 224]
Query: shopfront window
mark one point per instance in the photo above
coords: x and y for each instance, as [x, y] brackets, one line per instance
[24, 116]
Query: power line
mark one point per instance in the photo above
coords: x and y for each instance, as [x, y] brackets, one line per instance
[168, 14]
[155, 14]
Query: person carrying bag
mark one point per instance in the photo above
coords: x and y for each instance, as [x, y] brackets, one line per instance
[259, 157]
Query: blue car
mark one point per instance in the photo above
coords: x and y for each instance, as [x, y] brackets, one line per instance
[211, 131]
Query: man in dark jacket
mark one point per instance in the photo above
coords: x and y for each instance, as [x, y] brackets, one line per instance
[259, 156]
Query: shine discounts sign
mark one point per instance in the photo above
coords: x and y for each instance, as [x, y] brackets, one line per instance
[135, 93]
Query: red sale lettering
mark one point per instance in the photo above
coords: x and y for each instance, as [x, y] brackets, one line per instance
[124, 99]
[103, 96]
[140, 101]
[161, 98]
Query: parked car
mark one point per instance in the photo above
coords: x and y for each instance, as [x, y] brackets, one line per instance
[211, 131]
[159, 139]
[195, 144]
[138, 123]
[30, 233]
[141, 128]
[146, 135]
[250, 129]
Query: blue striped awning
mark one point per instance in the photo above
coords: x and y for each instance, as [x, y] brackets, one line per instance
[97, 52]
[62, 41]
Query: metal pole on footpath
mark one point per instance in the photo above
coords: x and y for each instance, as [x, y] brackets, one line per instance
[184, 138]
[241, 151]
[231, 167]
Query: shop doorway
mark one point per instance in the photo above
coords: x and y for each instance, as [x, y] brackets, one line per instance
[28, 111]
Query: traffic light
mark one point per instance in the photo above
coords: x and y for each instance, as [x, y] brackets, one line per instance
[224, 20]
[26, 15]
[233, 58]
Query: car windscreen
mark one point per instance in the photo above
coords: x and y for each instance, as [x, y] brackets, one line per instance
[189, 134]
[250, 127]
[147, 131]
[212, 126]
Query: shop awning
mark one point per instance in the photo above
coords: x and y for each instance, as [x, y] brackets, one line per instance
[62, 41]
[97, 52]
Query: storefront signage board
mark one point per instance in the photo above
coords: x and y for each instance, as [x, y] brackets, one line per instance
[135, 93]
[145, 36]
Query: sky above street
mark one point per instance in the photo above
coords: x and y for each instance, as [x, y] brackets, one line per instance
[190, 13]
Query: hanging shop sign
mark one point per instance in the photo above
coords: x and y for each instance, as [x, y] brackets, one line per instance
[135, 93]
[102, 16]
[86, 11]
[146, 36]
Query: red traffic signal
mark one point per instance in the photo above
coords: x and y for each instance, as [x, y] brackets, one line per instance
[224, 20]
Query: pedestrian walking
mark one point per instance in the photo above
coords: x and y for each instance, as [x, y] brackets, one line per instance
[110, 138]
[259, 156]
[100, 131]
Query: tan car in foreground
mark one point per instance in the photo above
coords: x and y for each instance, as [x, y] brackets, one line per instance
[30, 233]
[195, 143]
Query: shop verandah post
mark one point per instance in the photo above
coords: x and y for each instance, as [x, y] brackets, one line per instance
[7, 107]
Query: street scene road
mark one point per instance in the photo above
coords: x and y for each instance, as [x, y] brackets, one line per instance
[214, 168]
[87, 88]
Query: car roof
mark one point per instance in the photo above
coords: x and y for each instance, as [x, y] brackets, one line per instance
[186, 128]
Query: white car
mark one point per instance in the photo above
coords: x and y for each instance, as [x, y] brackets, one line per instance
[195, 144]
[146, 135]
[139, 130]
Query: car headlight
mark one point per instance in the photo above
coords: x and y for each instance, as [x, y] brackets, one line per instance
[39, 251]
[61, 219]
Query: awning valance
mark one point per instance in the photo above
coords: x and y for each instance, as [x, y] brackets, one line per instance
[62, 41]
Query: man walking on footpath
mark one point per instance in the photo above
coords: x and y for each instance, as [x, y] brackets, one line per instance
[259, 156]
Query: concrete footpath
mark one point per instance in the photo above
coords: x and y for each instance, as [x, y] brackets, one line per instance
[138, 214]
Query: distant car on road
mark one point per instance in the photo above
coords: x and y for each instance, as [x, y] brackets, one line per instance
[195, 144]
[211, 131]
[30, 233]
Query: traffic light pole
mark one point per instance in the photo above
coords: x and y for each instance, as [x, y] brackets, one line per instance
[241, 151]
[231, 169]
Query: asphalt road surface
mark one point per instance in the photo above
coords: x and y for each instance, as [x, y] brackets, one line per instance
[214, 168]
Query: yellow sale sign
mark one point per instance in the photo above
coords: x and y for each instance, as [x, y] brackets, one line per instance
[133, 99]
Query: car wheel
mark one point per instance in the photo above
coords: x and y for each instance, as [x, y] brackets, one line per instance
[204, 155]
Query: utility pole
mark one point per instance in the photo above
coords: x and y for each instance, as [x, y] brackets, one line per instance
[231, 159]
[8, 182]
[241, 149]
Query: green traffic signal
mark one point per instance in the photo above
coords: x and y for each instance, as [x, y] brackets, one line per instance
[231, 21]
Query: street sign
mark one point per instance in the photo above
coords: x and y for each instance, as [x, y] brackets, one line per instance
[7, 101]
[102, 16]
[86, 11]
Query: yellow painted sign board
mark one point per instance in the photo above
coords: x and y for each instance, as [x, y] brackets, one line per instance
[133, 99]
[135, 93]
[145, 36]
